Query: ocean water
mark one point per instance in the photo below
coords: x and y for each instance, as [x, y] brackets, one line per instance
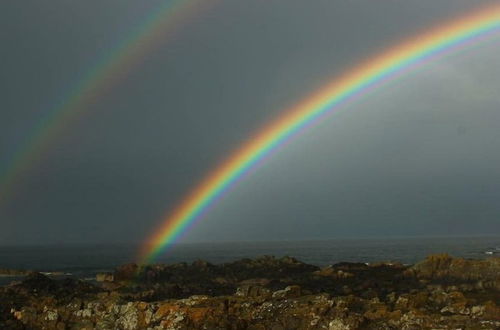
[84, 261]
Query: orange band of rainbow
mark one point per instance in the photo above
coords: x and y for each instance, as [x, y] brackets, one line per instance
[457, 33]
[112, 67]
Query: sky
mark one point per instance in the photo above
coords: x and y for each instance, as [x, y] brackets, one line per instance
[416, 158]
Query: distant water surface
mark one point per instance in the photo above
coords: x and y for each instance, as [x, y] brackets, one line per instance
[85, 261]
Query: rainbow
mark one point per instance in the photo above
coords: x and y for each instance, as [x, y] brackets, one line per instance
[373, 73]
[107, 72]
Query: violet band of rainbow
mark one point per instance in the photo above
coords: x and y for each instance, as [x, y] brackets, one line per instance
[364, 77]
[110, 69]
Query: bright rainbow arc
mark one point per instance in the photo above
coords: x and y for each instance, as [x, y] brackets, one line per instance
[111, 68]
[363, 78]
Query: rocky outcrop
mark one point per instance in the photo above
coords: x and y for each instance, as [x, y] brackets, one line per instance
[444, 266]
[13, 272]
[263, 293]
[105, 277]
[466, 273]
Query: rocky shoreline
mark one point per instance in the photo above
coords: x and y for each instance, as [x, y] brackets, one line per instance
[13, 272]
[440, 292]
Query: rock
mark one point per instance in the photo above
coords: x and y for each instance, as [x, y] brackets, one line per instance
[376, 312]
[104, 277]
[262, 293]
[338, 325]
[126, 272]
[444, 266]
[252, 291]
[255, 281]
[292, 291]
[13, 272]
[201, 264]
[330, 271]
[52, 316]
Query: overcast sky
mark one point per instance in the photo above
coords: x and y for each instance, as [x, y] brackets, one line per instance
[418, 157]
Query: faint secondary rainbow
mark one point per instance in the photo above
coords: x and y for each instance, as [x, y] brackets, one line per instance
[114, 65]
[364, 77]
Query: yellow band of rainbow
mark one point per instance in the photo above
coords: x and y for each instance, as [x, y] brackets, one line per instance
[112, 67]
[372, 73]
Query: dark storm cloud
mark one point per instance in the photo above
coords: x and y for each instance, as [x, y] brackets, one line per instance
[417, 158]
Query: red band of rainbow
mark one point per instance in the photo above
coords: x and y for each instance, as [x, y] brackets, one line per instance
[366, 76]
[112, 67]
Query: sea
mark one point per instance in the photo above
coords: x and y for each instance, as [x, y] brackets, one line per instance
[85, 261]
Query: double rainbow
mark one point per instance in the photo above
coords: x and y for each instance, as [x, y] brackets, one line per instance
[371, 74]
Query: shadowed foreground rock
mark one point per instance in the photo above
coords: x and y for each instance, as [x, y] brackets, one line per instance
[440, 292]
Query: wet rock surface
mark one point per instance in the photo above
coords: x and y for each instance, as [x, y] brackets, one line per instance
[440, 292]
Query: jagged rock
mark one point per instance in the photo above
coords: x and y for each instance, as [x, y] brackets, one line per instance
[292, 291]
[252, 291]
[238, 295]
[442, 266]
[330, 271]
[126, 272]
[14, 272]
[105, 277]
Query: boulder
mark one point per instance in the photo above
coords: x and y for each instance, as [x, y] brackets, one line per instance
[443, 266]
[292, 291]
[105, 277]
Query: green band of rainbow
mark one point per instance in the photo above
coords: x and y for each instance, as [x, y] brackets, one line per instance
[112, 67]
[368, 75]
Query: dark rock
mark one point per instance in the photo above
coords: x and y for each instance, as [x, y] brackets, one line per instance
[292, 291]
[252, 291]
[105, 277]
[126, 272]
[263, 293]
[13, 272]
[443, 266]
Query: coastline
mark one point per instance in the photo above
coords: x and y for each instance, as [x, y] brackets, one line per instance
[263, 293]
